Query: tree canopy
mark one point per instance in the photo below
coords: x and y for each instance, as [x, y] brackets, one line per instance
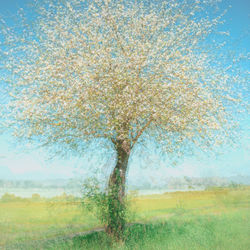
[117, 70]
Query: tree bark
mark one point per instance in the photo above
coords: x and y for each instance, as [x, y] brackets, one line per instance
[116, 193]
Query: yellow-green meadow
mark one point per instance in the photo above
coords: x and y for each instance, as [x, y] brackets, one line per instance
[211, 219]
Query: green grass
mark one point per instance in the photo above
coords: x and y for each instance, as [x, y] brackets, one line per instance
[215, 219]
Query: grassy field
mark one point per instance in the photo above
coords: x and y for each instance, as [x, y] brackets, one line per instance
[212, 219]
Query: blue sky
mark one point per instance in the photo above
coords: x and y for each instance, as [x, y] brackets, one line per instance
[17, 163]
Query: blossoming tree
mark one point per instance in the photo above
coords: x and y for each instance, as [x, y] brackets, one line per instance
[119, 70]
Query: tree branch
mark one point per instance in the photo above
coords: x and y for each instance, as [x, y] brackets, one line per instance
[141, 131]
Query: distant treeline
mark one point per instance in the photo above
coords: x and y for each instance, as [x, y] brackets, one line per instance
[47, 184]
[7, 197]
[187, 183]
[69, 198]
[163, 183]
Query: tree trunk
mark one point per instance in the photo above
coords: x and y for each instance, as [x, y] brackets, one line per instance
[116, 194]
